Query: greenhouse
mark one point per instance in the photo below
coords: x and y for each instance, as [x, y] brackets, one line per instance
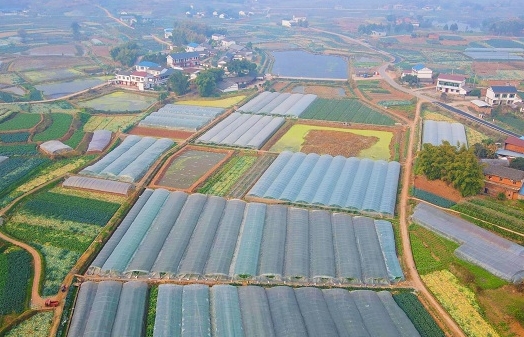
[179, 236]
[229, 311]
[279, 104]
[101, 139]
[3, 158]
[55, 147]
[497, 255]
[436, 132]
[100, 185]
[243, 130]
[130, 160]
[345, 183]
[109, 308]
[181, 117]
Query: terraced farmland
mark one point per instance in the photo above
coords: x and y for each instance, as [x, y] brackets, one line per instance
[345, 110]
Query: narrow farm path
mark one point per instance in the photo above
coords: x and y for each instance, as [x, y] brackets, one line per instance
[109, 15]
[159, 40]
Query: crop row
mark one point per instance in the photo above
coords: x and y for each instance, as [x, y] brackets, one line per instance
[58, 128]
[14, 137]
[38, 325]
[222, 181]
[430, 251]
[395, 102]
[345, 111]
[20, 121]
[18, 150]
[432, 198]
[459, 302]
[244, 183]
[422, 320]
[16, 169]
[151, 311]
[503, 207]
[67, 207]
[15, 274]
[492, 216]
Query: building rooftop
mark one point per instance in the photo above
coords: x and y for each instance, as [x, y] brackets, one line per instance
[452, 77]
[480, 104]
[498, 89]
[180, 56]
[504, 172]
[514, 141]
[418, 67]
[148, 64]
[192, 44]
[139, 73]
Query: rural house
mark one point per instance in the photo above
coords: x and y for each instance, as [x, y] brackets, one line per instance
[183, 60]
[423, 73]
[194, 47]
[501, 179]
[452, 84]
[502, 95]
[235, 83]
[513, 148]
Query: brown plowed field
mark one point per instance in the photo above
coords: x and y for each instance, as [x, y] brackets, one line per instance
[336, 143]
[437, 187]
[173, 134]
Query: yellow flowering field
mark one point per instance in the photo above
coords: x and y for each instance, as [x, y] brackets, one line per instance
[217, 103]
[460, 302]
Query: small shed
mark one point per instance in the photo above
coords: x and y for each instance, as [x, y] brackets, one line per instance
[481, 107]
[55, 147]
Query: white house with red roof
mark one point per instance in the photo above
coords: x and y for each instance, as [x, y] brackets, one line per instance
[452, 84]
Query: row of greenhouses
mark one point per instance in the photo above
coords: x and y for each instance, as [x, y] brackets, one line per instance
[436, 132]
[110, 309]
[183, 117]
[346, 183]
[176, 235]
[100, 140]
[280, 104]
[497, 255]
[130, 160]
[99, 185]
[243, 130]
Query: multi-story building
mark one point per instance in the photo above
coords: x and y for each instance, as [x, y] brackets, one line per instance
[452, 84]
[502, 95]
[183, 60]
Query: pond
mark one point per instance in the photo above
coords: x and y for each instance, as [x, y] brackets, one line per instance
[301, 64]
[59, 89]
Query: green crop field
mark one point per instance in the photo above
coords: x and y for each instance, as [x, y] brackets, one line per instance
[15, 274]
[119, 102]
[345, 110]
[223, 180]
[422, 320]
[293, 140]
[18, 150]
[14, 137]
[16, 169]
[58, 128]
[38, 76]
[20, 121]
[61, 227]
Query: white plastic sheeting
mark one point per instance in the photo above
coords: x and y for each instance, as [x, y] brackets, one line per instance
[100, 140]
[436, 132]
[251, 131]
[55, 147]
[183, 117]
[279, 104]
[347, 183]
[3, 158]
[199, 236]
[95, 184]
[497, 255]
[130, 160]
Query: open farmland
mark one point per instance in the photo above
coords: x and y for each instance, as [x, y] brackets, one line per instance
[244, 183]
[347, 110]
[339, 182]
[224, 310]
[38, 76]
[314, 66]
[61, 227]
[119, 101]
[112, 123]
[16, 169]
[186, 168]
[60, 124]
[20, 121]
[221, 182]
[15, 275]
[177, 135]
[347, 142]
[48, 62]
[214, 103]
[38, 325]
[200, 237]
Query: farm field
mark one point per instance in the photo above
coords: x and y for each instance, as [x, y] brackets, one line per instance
[321, 91]
[20, 121]
[60, 124]
[178, 135]
[372, 144]
[187, 167]
[38, 76]
[48, 62]
[424, 323]
[18, 168]
[347, 110]
[221, 182]
[15, 277]
[38, 325]
[311, 66]
[216, 103]
[112, 123]
[244, 183]
[61, 227]
[119, 101]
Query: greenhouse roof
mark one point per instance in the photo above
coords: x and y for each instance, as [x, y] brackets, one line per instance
[497, 255]
[95, 184]
[280, 104]
[224, 310]
[339, 182]
[55, 147]
[207, 236]
[436, 132]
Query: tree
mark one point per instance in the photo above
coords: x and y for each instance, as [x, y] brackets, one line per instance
[454, 27]
[517, 163]
[241, 67]
[126, 53]
[75, 27]
[446, 27]
[179, 82]
[410, 79]
[206, 83]
[456, 166]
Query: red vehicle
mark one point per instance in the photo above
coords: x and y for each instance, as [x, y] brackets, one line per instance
[51, 303]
